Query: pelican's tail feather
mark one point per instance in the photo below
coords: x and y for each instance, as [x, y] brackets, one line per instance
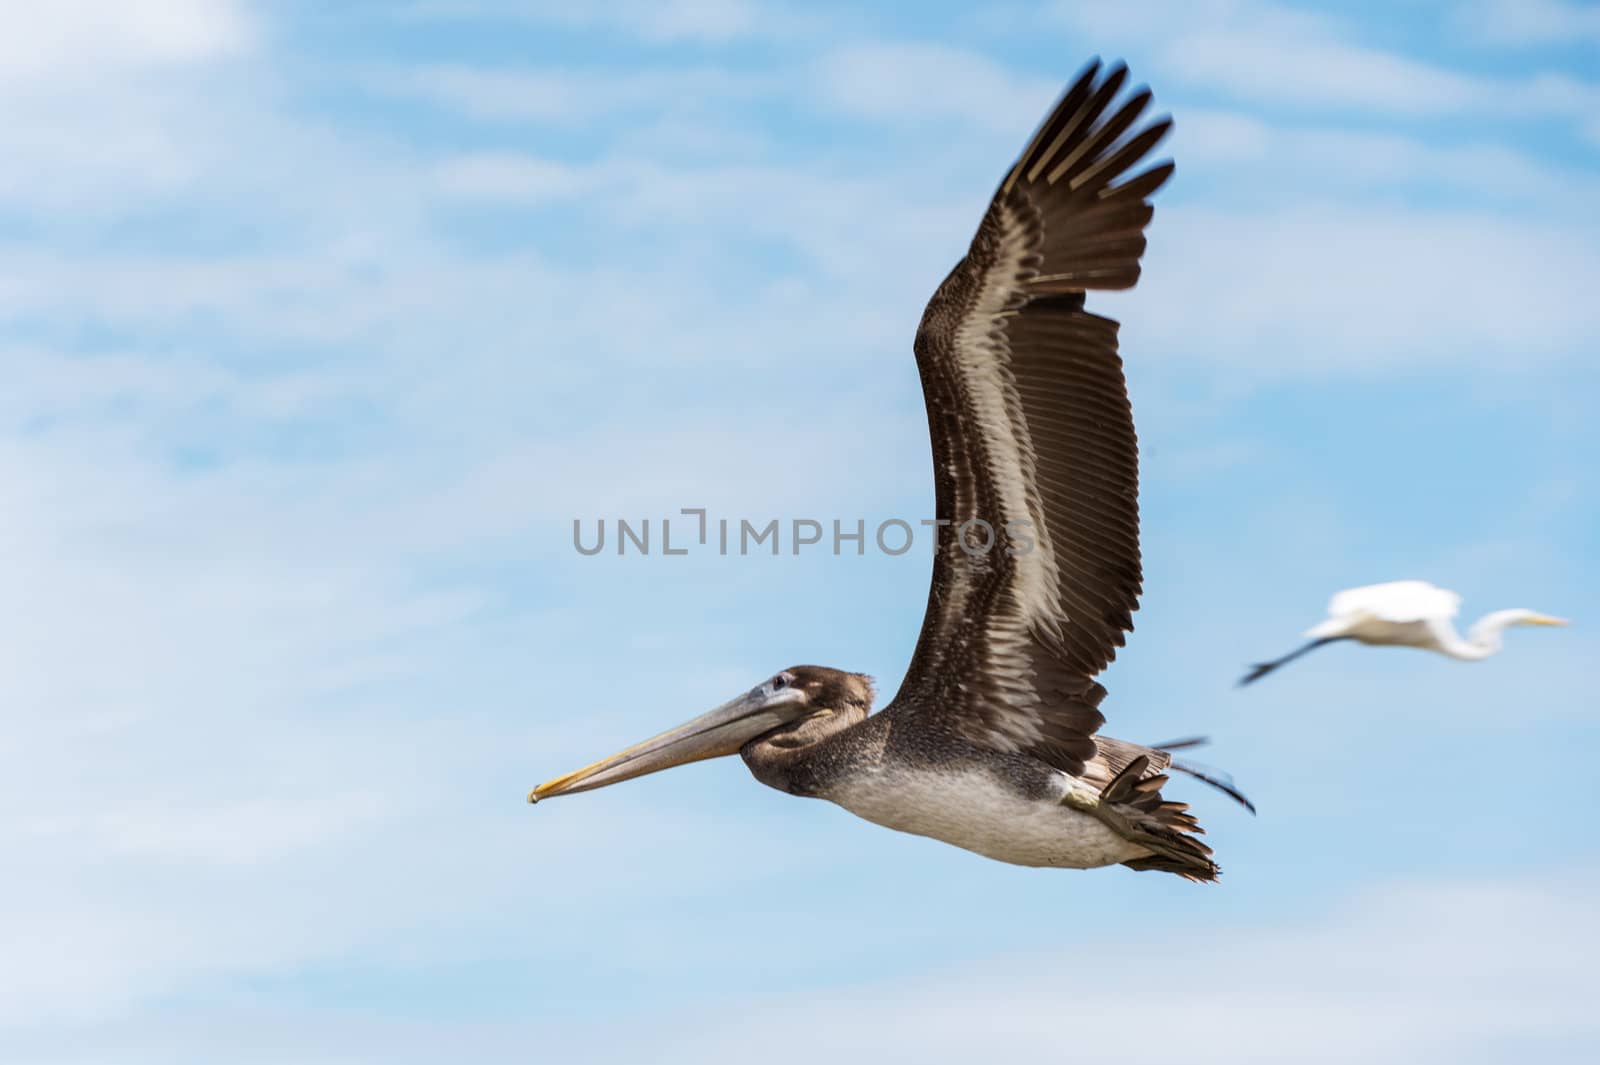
[1132, 805]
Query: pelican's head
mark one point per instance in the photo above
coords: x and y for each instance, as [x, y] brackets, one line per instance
[783, 703]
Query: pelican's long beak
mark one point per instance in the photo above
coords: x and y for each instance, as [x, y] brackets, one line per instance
[721, 732]
[1546, 619]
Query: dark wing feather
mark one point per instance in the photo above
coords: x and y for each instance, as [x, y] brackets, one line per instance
[1032, 431]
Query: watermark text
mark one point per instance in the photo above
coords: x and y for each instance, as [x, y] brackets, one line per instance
[694, 530]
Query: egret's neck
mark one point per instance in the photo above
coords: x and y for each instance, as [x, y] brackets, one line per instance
[1483, 639]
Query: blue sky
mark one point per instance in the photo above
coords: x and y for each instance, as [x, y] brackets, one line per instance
[321, 324]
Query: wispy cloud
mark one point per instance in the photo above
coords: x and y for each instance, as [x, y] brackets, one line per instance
[697, 21]
[929, 83]
[1519, 23]
[1332, 289]
[1388, 978]
[1264, 51]
[1261, 157]
[509, 177]
[564, 96]
[318, 330]
[80, 41]
[99, 104]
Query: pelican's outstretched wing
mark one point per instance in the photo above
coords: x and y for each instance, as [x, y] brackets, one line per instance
[1032, 434]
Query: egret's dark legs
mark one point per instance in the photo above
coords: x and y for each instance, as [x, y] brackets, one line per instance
[1215, 777]
[1261, 669]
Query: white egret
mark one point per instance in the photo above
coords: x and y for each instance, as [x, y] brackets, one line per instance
[1406, 614]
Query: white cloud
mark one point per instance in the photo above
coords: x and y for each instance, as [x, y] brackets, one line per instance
[521, 95]
[567, 96]
[1262, 67]
[879, 81]
[244, 832]
[1444, 972]
[1227, 137]
[1256, 157]
[1503, 23]
[509, 177]
[1467, 971]
[1591, 132]
[83, 40]
[675, 20]
[1343, 289]
[278, 703]
[1261, 51]
[660, 22]
[111, 103]
[929, 83]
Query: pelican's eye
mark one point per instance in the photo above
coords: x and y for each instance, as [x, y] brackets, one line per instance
[781, 681]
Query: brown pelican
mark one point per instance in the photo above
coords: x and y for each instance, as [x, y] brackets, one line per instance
[991, 743]
[1406, 614]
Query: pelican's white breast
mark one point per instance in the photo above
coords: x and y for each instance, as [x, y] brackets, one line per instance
[977, 811]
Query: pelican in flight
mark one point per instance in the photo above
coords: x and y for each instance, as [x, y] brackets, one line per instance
[1406, 614]
[992, 742]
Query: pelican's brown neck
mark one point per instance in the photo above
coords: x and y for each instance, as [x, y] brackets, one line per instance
[793, 759]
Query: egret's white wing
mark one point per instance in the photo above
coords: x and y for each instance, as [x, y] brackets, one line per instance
[1396, 601]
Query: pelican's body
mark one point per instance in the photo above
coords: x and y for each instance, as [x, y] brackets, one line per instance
[992, 742]
[986, 812]
[1011, 808]
[1407, 614]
